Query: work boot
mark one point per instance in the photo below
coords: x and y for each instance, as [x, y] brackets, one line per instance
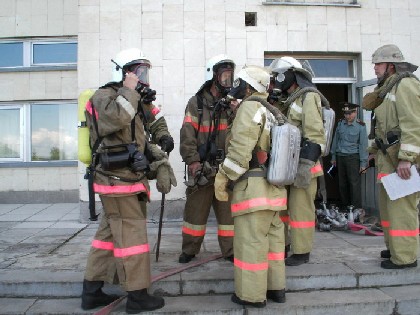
[237, 300]
[278, 296]
[386, 253]
[92, 295]
[286, 251]
[388, 264]
[140, 301]
[185, 258]
[297, 259]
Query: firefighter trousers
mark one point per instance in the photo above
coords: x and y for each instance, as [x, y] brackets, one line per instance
[120, 250]
[196, 213]
[302, 217]
[259, 255]
[400, 223]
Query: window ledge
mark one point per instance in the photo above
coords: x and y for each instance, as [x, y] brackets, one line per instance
[38, 164]
[39, 68]
[347, 5]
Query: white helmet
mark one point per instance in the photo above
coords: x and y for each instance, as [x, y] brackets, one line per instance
[281, 65]
[128, 57]
[213, 64]
[255, 76]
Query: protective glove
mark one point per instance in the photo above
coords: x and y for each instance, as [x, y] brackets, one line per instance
[166, 143]
[220, 187]
[304, 175]
[165, 177]
[148, 95]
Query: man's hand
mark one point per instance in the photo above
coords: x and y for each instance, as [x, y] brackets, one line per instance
[166, 143]
[220, 187]
[130, 81]
[148, 95]
[403, 169]
[334, 163]
[193, 168]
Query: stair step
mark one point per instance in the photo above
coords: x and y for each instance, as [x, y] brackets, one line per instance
[402, 300]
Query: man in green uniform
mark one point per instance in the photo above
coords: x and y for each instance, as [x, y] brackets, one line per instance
[396, 148]
[202, 147]
[259, 233]
[349, 154]
[120, 249]
[303, 107]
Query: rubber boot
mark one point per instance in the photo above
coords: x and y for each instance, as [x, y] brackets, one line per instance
[237, 300]
[140, 301]
[278, 296]
[92, 295]
[386, 253]
[297, 259]
[185, 258]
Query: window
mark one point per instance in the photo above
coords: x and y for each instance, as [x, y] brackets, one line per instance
[51, 130]
[36, 53]
[341, 3]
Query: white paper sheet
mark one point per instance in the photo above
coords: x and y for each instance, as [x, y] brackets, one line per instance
[397, 187]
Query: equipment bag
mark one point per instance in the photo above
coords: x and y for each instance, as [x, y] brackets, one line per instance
[284, 155]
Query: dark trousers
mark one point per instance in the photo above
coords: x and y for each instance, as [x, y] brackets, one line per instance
[349, 180]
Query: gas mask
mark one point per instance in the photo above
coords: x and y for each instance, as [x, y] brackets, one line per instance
[141, 70]
[223, 79]
[238, 90]
[285, 80]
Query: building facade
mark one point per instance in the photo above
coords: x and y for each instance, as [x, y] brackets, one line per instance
[336, 38]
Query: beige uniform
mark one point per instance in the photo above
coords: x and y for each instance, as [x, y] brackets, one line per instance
[259, 232]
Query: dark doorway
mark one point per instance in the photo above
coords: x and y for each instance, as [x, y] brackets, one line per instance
[335, 93]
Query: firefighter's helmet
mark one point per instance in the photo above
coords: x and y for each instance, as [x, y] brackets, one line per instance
[387, 53]
[281, 65]
[127, 58]
[257, 77]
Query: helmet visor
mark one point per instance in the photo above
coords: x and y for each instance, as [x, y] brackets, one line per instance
[225, 77]
[142, 72]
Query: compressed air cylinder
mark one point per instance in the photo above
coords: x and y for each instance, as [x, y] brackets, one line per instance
[84, 150]
[328, 115]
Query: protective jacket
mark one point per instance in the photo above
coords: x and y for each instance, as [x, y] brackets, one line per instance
[306, 114]
[398, 115]
[250, 138]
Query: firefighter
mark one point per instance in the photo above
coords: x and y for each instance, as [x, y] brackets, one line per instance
[259, 271]
[303, 106]
[202, 147]
[396, 148]
[120, 249]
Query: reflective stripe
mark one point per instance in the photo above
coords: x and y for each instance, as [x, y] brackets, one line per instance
[410, 147]
[296, 108]
[225, 230]
[404, 232]
[284, 218]
[193, 230]
[188, 120]
[88, 107]
[258, 115]
[385, 224]
[120, 189]
[130, 251]
[155, 110]
[126, 105]
[302, 224]
[258, 202]
[317, 168]
[275, 256]
[233, 166]
[102, 245]
[380, 175]
[248, 266]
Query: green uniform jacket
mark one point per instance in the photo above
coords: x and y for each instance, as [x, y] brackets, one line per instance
[399, 112]
[251, 132]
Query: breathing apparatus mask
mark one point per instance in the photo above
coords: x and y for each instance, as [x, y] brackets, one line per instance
[223, 77]
[238, 90]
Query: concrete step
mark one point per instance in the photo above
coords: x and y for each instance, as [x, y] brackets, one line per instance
[214, 277]
[403, 300]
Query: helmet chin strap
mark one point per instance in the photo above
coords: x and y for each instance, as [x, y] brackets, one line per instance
[385, 75]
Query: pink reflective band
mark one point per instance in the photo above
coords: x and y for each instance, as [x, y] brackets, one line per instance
[404, 232]
[88, 107]
[155, 110]
[116, 189]
[302, 224]
[203, 128]
[275, 256]
[193, 232]
[258, 202]
[316, 169]
[225, 233]
[284, 218]
[385, 224]
[130, 251]
[102, 245]
[251, 267]
[380, 175]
